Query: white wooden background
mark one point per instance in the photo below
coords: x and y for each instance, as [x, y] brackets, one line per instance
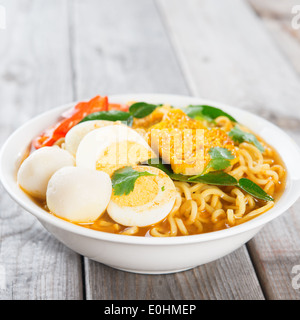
[239, 52]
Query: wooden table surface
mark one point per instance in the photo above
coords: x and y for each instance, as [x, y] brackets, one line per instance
[239, 52]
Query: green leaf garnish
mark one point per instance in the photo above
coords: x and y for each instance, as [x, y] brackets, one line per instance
[141, 109]
[219, 178]
[123, 180]
[216, 177]
[217, 164]
[220, 153]
[157, 163]
[205, 112]
[254, 190]
[219, 159]
[240, 136]
[136, 110]
[111, 115]
[130, 121]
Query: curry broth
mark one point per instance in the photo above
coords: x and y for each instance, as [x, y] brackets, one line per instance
[163, 226]
[106, 224]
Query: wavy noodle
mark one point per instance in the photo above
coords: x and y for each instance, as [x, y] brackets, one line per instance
[225, 123]
[201, 208]
[130, 231]
[155, 232]
[217, 215]
[279, 169]
[240, 202]
[181, 226]
[230, 217]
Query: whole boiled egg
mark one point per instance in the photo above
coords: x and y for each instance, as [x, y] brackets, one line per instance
[79, 195]
[75, 134]
[151, 200]
[36, 170]
[112, 147]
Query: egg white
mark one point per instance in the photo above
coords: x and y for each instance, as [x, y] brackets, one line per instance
[36, 170]
[75, 134]
[151, 212]
[93, 145]
[79, 195]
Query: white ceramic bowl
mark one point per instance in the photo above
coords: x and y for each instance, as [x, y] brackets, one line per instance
[145, 254]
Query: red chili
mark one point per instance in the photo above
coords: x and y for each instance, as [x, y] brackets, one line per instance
[69, 120]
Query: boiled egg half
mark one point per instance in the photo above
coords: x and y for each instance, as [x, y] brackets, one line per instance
[151, 200]
[75, 134]
[112, 147]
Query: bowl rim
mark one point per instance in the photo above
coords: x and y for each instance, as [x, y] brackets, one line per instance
[45, 217]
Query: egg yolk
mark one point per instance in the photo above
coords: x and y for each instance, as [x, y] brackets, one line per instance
[120, 154]
[145, 191]
[185, 143]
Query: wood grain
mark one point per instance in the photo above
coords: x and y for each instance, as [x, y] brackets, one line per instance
[275, 252]
[238, 52]
[34, 76]
[235, 61]
[277, 16]
[129, 51]
[121, 48]
[223, 55]
[224, 279]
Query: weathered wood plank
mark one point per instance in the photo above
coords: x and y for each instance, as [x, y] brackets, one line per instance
[35, 75]
[127, 50]
[235, 61]
[222, 61]
[224, 279]
[278, 16]
[276, 252]
[120, 48]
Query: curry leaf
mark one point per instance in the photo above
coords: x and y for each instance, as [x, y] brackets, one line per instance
[240, 136]
[205, 112]
[157, 163]
[254, 190]
[130, 121]
[142, 109]
[218, 178]
[123, 180]
[111, 115]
